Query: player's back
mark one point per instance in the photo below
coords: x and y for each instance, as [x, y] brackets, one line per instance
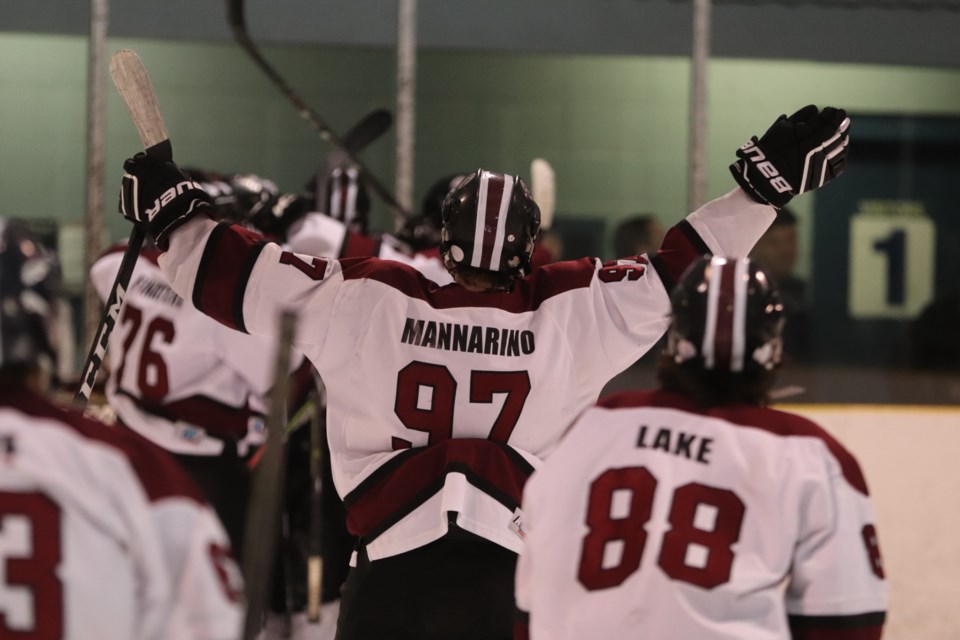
[178, 377]
[82, 558]
[654, 518]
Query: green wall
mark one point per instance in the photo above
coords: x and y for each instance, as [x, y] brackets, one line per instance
[615, 129]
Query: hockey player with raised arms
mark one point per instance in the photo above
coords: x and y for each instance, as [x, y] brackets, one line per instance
[679, 513]
[432, 437]
[101, 533]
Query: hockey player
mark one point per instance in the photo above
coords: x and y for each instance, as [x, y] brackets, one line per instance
[101, 534]
[678, 513]
[442, 400]
[187, 383]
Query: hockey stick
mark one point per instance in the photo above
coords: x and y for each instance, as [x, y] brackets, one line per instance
[543, 187]
[360, 135]
[133, 85]
[315, 542]
[240, 33]
[263, 513]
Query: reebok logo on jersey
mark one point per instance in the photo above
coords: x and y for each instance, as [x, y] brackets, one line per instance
[765, 167]
[469, 339]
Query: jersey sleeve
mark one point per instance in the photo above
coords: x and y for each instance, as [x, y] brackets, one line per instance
[238, 278]
[728, 226]
[208, 588]
[317, 234]
[628, 304]
[837, 583]
[104, 272]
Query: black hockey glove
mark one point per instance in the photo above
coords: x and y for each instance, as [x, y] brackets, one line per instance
[797, 154]
[158, 196]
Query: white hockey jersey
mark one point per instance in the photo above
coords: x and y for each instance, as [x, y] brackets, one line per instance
[654, 518]
[176, 376]
[103, 536]
[442, 401]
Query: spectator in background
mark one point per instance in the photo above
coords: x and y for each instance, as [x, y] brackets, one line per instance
[640, 233]
[776, 252]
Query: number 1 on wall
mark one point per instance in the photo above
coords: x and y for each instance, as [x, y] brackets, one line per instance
[891, 265]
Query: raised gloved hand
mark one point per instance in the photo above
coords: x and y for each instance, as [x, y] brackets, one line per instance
[158, 196]
[796, 154]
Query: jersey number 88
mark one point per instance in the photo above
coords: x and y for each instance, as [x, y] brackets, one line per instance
[713, 569]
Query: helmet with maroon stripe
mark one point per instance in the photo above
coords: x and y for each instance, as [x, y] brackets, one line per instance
[490, 223]
[347, 198]
[29, 292]
[726, 331]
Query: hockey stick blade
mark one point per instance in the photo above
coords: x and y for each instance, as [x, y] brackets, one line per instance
[132, 83]
[239, 27]
[543, 186]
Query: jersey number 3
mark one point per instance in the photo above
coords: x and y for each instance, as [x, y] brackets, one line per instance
[437, 420]
[30, 529]
[693, 550]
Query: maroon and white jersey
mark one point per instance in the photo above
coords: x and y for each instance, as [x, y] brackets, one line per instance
[487, 380]
[658, 519]
[103, 536]
[317, 234]
[178, 377]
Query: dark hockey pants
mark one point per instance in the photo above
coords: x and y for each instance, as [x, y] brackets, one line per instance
[451, 589]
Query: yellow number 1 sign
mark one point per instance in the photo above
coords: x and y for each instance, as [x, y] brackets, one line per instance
[892, 252]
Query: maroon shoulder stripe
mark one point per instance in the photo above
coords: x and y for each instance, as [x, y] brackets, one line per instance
[157, 471]
[681, 246]
[527, 293]
[228, 258]
[773, 421]
[358, 245]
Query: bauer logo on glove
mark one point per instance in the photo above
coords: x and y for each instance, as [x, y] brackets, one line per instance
[799, 153]
[158, 196]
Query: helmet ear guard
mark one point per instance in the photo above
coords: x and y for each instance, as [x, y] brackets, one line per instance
[490, 223]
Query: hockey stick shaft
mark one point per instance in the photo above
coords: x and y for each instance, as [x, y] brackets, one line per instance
[239, 28]
[315, 543]
[132, 83]
[372, 126]
[544, 190]
[263, 514]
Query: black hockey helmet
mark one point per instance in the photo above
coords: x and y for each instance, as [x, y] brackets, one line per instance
[237, 197]
[727, 317]
[490, 223]
[348, 199]
[423, 230]
[30, 281]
